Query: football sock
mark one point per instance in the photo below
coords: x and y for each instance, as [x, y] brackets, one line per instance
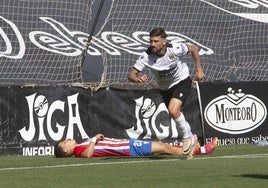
[201, 150]
[184, 127]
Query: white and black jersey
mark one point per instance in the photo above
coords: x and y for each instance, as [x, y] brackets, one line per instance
[168, 70]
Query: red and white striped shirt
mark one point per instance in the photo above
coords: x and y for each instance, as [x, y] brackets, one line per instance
[105, 147]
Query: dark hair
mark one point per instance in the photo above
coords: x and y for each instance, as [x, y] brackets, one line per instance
[58, 151]
[158, 31]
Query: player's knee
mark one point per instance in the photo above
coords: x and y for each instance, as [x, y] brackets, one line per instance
[174, 113]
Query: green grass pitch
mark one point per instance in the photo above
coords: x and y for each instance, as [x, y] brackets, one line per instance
[229, 166]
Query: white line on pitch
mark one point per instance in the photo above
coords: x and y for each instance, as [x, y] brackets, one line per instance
[139, 161]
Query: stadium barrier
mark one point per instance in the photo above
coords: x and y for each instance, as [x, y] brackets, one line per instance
[33, 119]
[55, 45]
[236, 112]
[38, 117]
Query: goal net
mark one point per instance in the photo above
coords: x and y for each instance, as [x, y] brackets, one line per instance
[67, 42]
[39, 41]
[231, 35]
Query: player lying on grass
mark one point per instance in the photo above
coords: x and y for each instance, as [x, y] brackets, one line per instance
[100, 146]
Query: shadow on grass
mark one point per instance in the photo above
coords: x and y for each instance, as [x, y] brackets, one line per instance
[256, 176]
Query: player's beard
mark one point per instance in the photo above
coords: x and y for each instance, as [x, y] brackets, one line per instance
[154, 49]
[160, 51]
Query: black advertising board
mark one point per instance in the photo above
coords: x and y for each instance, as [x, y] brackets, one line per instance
[33, 119]
[236, 112]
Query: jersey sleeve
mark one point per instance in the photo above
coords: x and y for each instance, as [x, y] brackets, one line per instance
[78, 150]
[140, 63]
[179, 49]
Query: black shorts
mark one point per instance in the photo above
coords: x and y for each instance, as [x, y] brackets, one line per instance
[179, 91]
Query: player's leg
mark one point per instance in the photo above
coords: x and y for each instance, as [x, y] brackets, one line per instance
[208, 148]
[163, 148]
[174, 108]
[174, 99]
[200, 150]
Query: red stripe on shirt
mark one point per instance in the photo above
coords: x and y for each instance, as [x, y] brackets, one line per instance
[106, 147]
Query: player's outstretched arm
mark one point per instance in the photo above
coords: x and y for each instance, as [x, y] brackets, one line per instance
[134, 76]
[195, 54]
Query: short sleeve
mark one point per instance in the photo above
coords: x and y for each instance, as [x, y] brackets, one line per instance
[179, 49]
[78, 150]
[140, 63]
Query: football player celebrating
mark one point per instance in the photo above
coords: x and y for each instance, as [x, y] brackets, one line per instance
[172, 76]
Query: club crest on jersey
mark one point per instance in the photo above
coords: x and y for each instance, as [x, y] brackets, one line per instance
[171, 57]
[142, 57]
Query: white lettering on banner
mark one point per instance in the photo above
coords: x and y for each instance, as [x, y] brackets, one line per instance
[238, 141]
[259, 138]
[235, 113]
[39, 106]
[37, 151]
[56, 105]
[74, 118]
[149, 113]
[252, 4]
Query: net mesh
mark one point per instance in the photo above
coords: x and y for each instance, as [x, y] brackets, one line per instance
[43, 41]
[36, 41]
[233, 46]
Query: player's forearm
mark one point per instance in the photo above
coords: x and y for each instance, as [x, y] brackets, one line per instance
[195, 54]
[196, 58]
[198, 65]
[199, 71]
[134, 77]
[90, 149]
